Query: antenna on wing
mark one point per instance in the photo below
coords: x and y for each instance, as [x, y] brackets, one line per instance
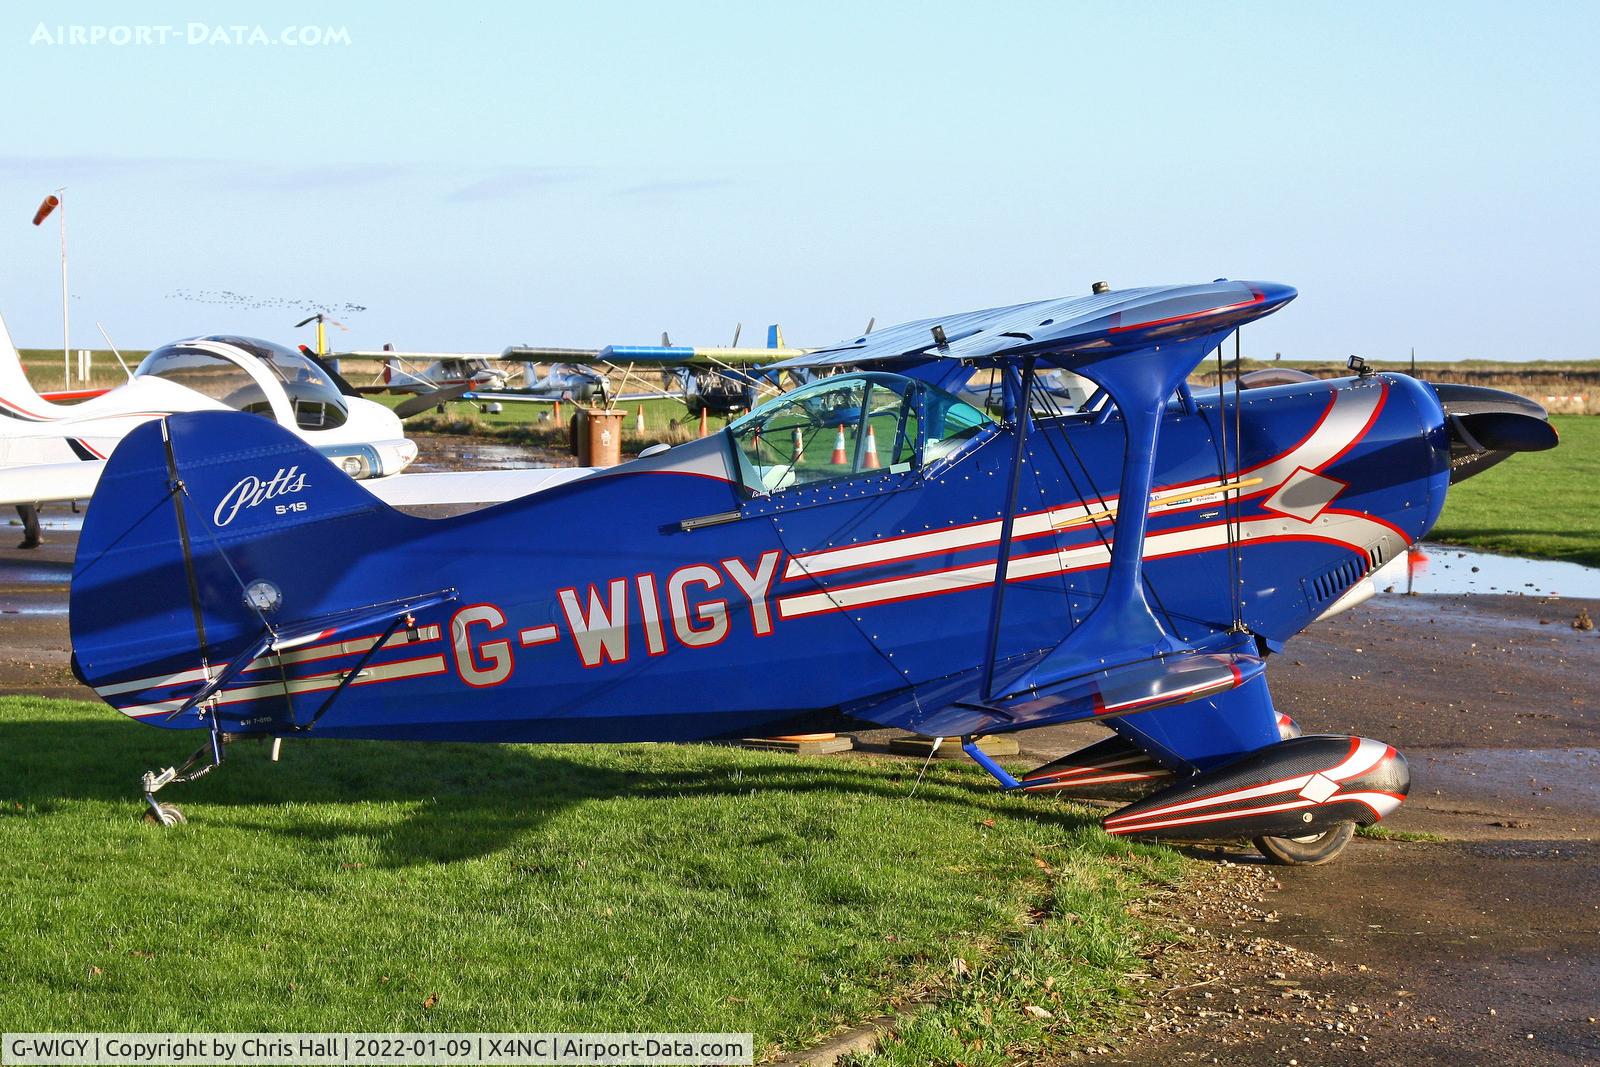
[112, 345]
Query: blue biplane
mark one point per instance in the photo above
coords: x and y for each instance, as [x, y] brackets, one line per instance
[865, 550]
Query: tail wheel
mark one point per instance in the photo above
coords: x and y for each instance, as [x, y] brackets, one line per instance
[165, 815]
[1307, 851]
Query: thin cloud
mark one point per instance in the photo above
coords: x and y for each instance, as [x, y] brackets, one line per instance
[515, 181]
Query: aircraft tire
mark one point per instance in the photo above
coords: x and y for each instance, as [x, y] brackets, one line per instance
[165, 815]
[1307, 851]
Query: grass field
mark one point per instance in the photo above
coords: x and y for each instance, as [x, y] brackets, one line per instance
[509, 888]
[1544, 504]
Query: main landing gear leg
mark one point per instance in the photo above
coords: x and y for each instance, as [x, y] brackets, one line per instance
[199, 764]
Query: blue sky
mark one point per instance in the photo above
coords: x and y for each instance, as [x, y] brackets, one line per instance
[474, 175]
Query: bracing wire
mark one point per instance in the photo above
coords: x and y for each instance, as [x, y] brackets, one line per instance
[1100, 530]
[1236, 537]
[1222, 477]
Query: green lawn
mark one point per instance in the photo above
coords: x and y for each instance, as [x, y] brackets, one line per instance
[644, 887]
[1544, 504]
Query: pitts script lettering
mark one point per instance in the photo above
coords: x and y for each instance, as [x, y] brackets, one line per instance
[251, 491]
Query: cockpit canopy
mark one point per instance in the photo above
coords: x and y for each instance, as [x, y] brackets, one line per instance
[850, 425]
[213, 366]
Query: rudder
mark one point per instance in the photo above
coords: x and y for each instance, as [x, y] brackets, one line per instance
[207, 530]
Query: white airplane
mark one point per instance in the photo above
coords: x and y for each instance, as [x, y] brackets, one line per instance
[54, 452]
[452, 373]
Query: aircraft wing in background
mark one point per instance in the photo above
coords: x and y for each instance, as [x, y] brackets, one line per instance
[54, 483]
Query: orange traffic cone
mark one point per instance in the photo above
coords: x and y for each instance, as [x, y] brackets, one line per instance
[799, 446]
[555, 414]
[838, 447]
[870, 462]
[704, 426]
[638, 420]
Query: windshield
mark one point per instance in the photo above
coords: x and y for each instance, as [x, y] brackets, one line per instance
[314, 396]
[206, 373]
[847, 426]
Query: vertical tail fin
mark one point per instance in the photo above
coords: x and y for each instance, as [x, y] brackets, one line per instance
[775, 336]
[207, 530]
[18, 398]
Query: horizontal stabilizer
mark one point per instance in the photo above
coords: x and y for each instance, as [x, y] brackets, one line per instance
[326, 628]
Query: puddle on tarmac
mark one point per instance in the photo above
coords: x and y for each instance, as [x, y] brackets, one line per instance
[444, 453]
[17, 572]
[1446, 569]
[1557, 777]
[10, 609]
[51, 517]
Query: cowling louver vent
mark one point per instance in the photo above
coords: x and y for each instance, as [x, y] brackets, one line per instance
[1326, 587]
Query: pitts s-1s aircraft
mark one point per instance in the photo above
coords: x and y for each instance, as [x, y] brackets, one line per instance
[827, 561]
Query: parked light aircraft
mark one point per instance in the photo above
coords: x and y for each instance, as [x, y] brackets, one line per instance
[864, 551]
[473, 372]
[715, 379]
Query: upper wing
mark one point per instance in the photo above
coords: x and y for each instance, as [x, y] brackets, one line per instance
[651, 355]
[1063, 332]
